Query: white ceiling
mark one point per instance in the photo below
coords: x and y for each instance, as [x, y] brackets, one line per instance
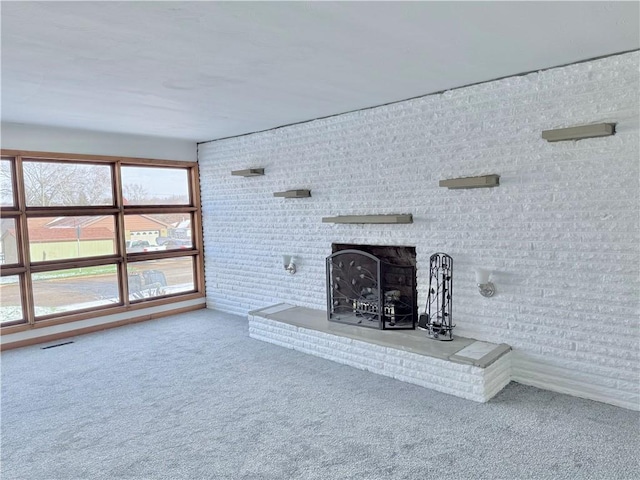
[207, 70]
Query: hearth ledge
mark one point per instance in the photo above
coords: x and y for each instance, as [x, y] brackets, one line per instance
[463, 367]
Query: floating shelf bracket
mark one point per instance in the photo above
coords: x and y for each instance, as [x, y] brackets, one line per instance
[249, 172]
[293, 194]
[484, 181]
[388, 219]
[578, 133]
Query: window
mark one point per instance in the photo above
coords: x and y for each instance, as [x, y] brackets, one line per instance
[83, 236]
[6, 183]
[155, 186]
[74, 289]
[48, 184]
[11, 300]
[59, 238]
[152, 278]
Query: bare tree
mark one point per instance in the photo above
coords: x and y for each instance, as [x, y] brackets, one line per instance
[134, 193]
[95, 189]
[6, 185]
[48, 183]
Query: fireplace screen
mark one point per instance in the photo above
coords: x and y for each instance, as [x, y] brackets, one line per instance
[374, 288]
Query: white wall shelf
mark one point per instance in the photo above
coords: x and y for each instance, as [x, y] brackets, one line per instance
[579, 133]
[484, 181]
[249, 172]
[403, 218]
[293, 194]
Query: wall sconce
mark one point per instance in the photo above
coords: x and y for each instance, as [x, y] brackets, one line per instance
[289, 264]
[485, 287]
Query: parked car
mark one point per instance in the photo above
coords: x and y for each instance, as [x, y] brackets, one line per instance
[134, 246]
[174, 243]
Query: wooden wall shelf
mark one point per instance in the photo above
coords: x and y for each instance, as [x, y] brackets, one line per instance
[393, 219]
[484, 181]
[578, 133]
[249, 172]
[293, 194]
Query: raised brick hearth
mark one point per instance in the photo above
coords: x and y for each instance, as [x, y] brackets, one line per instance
[463, 367]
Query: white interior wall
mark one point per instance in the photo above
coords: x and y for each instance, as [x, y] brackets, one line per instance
[37, 138]
[561, 231]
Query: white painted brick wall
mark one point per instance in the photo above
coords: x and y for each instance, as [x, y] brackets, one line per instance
[562, 230]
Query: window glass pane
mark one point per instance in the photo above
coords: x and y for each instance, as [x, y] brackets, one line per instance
[11, 304]
[160, 277]
[75, 289]
[155, 186]
[146, 233]
[8, 243]
[67, 184]
[56, 238]
[6, 183]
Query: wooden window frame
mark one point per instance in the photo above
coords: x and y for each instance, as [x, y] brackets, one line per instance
[25, 267]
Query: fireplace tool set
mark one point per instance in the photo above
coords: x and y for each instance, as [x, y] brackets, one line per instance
[437, 317]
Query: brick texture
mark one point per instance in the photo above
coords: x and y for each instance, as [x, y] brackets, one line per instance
[562, 231]
[466, 381]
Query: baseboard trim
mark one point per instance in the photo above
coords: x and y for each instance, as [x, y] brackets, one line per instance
[555, 378]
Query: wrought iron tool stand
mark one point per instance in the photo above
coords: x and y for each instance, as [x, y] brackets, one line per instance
[437, 317]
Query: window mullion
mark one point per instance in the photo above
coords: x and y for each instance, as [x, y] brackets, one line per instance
[196, 228]
[24, 254]
[119, 203]
[34, 212]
